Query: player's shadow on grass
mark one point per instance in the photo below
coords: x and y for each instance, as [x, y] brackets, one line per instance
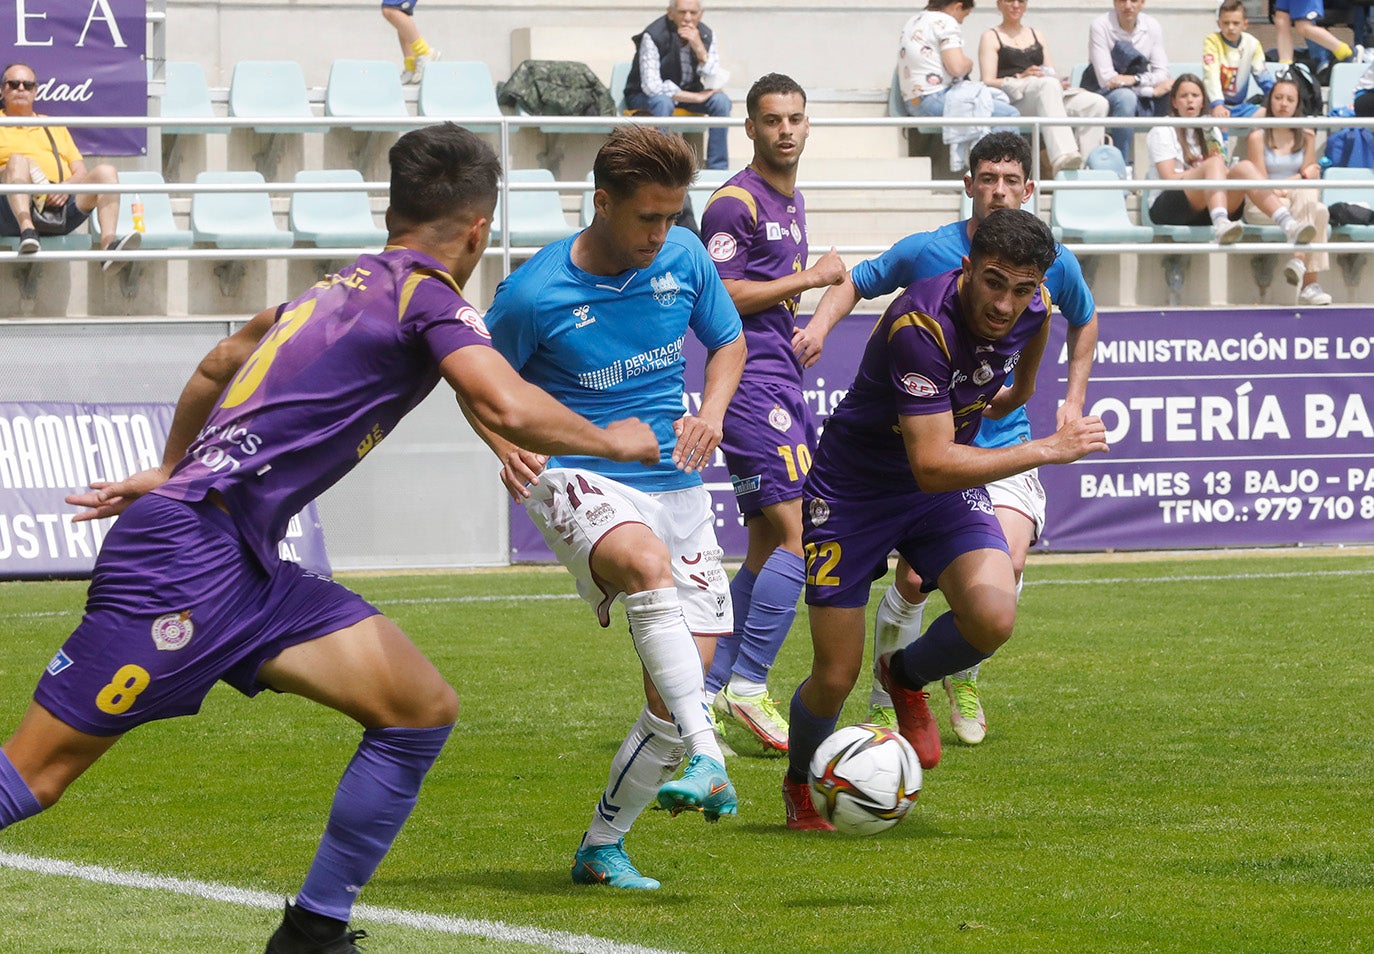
[542, 881]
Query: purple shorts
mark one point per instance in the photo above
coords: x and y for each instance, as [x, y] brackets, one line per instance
[847, 540]
[177, 602]
[769, 438]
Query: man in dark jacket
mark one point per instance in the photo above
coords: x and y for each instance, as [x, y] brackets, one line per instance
[677, 66]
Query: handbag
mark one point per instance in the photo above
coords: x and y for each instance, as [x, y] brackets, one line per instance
[48, 220]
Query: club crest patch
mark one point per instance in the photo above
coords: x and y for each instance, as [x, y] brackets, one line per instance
[796, 232]
[172, 631]
[820, 512]
[665, 288]
[779, 419]
[721, 247]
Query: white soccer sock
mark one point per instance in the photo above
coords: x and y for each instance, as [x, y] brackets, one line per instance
[747, 688]
[669, 653]
[647, 758]
[897, 623]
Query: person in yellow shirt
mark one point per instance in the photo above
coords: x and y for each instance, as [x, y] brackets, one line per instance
[25, 150]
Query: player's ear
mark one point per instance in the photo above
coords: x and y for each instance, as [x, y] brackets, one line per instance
[749, 128]
[601, 202]
[968, 184]
[1030, 188]
[967, 266]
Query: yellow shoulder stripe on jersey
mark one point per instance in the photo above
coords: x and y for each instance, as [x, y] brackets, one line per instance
[413, 281]
[915, 319]
[735, 192]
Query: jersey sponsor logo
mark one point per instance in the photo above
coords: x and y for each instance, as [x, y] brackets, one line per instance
[59, 662]
[796, 232]
[773, 230]
[779, 419]
[918, 385]
[721, 247]
[468, 316]
[665, 288]
[583, 314]
[746, 485]
[172, 631]
[820, 512]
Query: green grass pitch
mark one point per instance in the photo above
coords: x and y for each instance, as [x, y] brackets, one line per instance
[1180, 758]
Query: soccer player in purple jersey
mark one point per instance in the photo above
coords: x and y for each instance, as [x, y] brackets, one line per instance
[755, 231]
[896, 469]
[188, 588]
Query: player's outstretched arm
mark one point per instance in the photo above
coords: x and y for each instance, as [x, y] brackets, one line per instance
[698, 435]
[750, 298]
[941, 465]
[838, 301]
[198, 397]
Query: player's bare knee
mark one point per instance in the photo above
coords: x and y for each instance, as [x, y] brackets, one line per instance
[646, 569]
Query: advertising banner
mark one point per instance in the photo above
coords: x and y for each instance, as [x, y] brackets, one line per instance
[88, 58]
[50, 450]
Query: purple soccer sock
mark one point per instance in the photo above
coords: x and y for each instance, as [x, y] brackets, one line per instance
[806, 732]
[771, 612]
[16, 800]
[374, 798]
[727, 647]
[940, 651]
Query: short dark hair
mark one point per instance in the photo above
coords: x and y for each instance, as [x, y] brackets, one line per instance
[641, 155]
[1016, 237]
[945, 4]
[440, 171]
[1230, 6]
[770, 84]
[1001, 147]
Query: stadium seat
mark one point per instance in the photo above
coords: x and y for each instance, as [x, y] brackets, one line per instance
[235, 219]
[458, 89]
[187, 96]
[1094, 216]
[1344, 76]
[334, 219]
[708, 181]
[159, 226]
[536, 218]
[365, 88]
[270, 89]
[1174, 233]
[75, 241]
[620, 74]
[1336, 192]
[896, 106]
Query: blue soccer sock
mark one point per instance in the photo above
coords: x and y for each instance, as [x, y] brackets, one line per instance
[727, 647]
[806, 732]
[940, 651]
[771, 612]
[17, 801]
[374, 798]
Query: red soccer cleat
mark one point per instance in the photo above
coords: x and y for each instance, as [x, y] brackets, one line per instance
[801, 814]
[914, 720]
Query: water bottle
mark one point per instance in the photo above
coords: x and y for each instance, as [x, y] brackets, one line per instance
[137, 210]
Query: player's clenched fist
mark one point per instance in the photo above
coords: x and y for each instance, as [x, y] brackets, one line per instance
[633, 440]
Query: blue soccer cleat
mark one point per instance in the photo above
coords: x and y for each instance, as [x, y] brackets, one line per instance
[608, 865]
[704, 788]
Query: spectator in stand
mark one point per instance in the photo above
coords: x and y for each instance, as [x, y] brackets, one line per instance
[1291, 153]
[1128, 65]
[1190, 152]
[34, 154]
[931, 59]
[415, 52]
[1230, 57]
[1300, 17]
[1364, 93]
[1013, 58]
[677, 66]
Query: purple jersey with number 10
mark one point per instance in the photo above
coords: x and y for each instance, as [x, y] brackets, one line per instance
[341, 366]
[920, 359]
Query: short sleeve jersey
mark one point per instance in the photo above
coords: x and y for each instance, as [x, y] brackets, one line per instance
[919, 359]
[755, 233]
[931, 253]
[340, 367]
[610, 347]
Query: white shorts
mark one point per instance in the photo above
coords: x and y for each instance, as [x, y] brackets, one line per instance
[575, 509]
[1023, 494]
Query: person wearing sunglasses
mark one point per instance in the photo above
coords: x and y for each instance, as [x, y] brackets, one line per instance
[34, 154]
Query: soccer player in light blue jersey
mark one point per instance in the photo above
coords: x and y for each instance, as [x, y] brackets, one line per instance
[755, 231]
[189, 590]
[999, 173]
[599, 321]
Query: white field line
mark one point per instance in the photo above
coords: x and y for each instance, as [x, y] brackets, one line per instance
[1030, 581]
[364, 913]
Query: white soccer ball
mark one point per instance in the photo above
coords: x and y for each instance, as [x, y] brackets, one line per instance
[864, 779]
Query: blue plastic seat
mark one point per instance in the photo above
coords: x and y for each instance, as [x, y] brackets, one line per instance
[365, 88]
[334, 219]
[620, 75]
[187, 96]
[1344, 77]
[536, 218]
[270, 89]
[896, 106]
[1352, 194]
[78, 240]
[235, 219]
[1095, 216]
[458, 89]
[708, 181]
[159, 226]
